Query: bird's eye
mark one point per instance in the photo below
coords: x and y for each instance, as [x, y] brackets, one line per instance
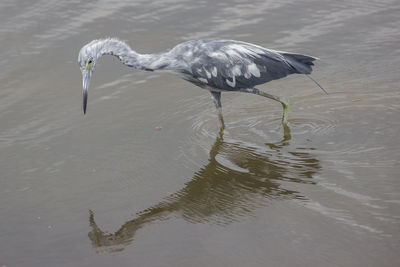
[90, 61]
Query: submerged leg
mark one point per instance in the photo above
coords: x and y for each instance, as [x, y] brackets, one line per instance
[283, 101]
[217, 102]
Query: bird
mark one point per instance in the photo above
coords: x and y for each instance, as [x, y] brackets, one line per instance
[214, 65]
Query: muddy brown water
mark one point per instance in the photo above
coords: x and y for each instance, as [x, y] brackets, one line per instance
[146, 179]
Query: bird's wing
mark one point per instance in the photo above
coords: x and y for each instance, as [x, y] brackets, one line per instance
[231, 65]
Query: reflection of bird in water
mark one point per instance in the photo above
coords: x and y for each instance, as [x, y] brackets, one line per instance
[215, 65]
[226, 189]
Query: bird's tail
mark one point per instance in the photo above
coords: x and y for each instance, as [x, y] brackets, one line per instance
[303, 64]
[299, 62]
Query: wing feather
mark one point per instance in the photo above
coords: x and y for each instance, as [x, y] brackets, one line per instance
[231, 65]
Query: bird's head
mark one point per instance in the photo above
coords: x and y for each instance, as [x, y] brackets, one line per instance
[87, 61]
[91, 53]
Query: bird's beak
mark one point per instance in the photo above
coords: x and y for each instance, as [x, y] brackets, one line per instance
[86, 81]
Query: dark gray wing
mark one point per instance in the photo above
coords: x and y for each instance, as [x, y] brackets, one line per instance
[232, 65]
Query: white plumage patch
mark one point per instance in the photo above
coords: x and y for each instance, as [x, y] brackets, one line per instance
[207, 73]
[244, 49]
[188, 54]
[202, 80]
[253, 69]
[214, 71]
[218, 55]
[236, 70]
[233, 54]
[231, 83]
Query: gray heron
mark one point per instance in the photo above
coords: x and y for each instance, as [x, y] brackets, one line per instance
[215, 65]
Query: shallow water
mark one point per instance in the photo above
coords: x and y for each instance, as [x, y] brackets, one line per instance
[146, 179]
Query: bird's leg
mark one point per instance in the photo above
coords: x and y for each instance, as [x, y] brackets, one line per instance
[285, 103]
[217, 102]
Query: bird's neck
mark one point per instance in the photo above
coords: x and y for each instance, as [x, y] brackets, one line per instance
[131, 58]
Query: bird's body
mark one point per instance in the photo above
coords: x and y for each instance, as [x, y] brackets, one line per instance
[225, 65]
[215, 65]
